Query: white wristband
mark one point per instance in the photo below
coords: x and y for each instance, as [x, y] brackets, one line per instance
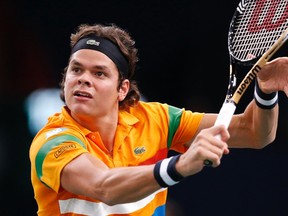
[263, 100]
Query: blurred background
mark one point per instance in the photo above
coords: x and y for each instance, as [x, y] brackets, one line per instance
[184, 61]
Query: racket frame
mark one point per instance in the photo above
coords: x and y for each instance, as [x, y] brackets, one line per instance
[229, 106]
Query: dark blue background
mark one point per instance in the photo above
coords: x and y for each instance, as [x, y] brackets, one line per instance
[184, 61]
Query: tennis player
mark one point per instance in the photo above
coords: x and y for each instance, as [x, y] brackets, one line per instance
[106, 152]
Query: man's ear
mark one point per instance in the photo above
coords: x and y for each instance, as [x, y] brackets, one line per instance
[124, 88]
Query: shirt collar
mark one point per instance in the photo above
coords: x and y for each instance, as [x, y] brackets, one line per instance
[124, 118]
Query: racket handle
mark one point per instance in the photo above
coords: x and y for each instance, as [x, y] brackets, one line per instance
[226, 113]
[224, 117]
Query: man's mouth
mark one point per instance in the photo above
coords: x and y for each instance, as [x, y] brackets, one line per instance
[82, 94]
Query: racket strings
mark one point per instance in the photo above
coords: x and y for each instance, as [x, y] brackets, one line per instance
[258, 27]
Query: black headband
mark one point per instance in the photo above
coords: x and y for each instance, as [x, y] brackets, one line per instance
[105, 46]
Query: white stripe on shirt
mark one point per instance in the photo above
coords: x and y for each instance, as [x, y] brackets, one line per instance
[85, 207]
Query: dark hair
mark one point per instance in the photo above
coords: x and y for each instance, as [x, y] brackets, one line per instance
[127, 46]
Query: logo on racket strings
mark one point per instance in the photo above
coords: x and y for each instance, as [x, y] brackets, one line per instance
[267, 15]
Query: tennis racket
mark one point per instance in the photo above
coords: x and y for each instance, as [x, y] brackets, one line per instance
[257, 31]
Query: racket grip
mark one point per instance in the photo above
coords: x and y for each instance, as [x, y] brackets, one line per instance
[224, 117]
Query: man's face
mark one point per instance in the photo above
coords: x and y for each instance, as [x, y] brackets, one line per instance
[91, 85]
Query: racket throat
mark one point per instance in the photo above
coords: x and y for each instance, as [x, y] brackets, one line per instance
[232, 82]
[231, 86]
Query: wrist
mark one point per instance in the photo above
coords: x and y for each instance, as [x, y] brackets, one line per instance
[165, 172]
[264, 100]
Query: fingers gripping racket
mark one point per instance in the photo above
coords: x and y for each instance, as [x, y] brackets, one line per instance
[257, 30]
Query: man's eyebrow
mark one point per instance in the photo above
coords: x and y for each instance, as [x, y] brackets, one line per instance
[74, 62]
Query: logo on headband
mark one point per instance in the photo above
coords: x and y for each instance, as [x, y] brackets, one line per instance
[92, 42]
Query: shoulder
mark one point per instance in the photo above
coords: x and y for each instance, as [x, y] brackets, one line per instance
[150, 106]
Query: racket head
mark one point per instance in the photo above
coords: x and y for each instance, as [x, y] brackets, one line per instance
[254, 28]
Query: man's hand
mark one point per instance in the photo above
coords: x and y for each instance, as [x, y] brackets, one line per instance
[274, 76]
[206, 146]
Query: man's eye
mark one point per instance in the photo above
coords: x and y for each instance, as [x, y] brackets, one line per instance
[99, 73]
[76, 70]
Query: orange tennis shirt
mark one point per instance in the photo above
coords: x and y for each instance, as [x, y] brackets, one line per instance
[144, 135]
